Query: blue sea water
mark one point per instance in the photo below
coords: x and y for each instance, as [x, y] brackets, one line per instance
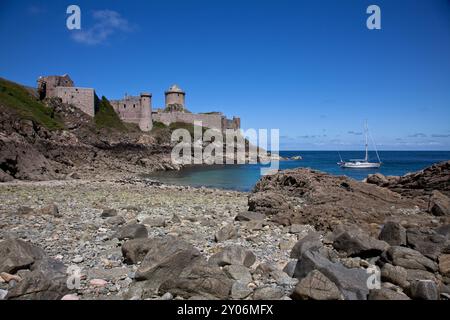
[244, 177]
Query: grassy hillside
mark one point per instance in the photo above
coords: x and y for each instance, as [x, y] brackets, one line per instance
[106, 117]
[18, 98]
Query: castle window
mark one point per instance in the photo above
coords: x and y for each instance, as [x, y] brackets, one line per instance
[124, 106]
[134, 106]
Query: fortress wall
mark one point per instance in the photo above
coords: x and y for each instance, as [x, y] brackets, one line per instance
[208, 120]
[82, 98]
[129, 110]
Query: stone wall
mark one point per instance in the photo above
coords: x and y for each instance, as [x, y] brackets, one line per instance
[213, 120]
[46, 86]
[133, 109]
[82, 98]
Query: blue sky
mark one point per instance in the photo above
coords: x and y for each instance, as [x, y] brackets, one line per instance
[310, 68]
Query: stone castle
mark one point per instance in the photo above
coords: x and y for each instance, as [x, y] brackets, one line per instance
[134, 109]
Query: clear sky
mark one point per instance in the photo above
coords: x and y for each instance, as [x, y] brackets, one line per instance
[310, 68]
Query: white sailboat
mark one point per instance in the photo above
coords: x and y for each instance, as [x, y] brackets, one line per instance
[362, 163]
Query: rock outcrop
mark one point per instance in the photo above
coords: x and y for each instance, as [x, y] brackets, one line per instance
[307, 196]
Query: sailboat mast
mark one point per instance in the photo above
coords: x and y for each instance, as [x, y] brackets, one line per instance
[367, 143]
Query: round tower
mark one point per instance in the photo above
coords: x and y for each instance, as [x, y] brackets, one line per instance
[145, 121]
[175, 98]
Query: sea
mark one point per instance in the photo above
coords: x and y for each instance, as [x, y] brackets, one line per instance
[243, 177]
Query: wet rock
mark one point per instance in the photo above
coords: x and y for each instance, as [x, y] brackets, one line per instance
[439, 204]
[227, 232]
[393, 233]
[356, 243]
[316, 286]
[106, 213]
[410, 259]
[268, 293]
[18, 254]
[351, 282]
[131, 231]
[233, 255]
[424, 290]
[311, 241]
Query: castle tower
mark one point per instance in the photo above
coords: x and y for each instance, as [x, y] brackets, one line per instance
[175, 98]
[145, 121]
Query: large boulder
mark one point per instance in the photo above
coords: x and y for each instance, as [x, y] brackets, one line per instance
[233, 255]
[393, 233]
[200, 279]
[316, 286]
[312, 241]
[227, 232]
[395, 274]
[131, 231]
[358, 244]
[427, 243]
[166, 259]
[17, 254]
[409, 259]
[424, 290]
[135, 250]
[439, 204]
[352, 283]
[46, 281]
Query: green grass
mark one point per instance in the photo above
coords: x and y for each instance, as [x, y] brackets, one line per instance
[107, 118]
[189, 127]
[16, 97]
[159, 125]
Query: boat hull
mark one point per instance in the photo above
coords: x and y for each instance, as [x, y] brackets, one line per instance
[359, 165]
